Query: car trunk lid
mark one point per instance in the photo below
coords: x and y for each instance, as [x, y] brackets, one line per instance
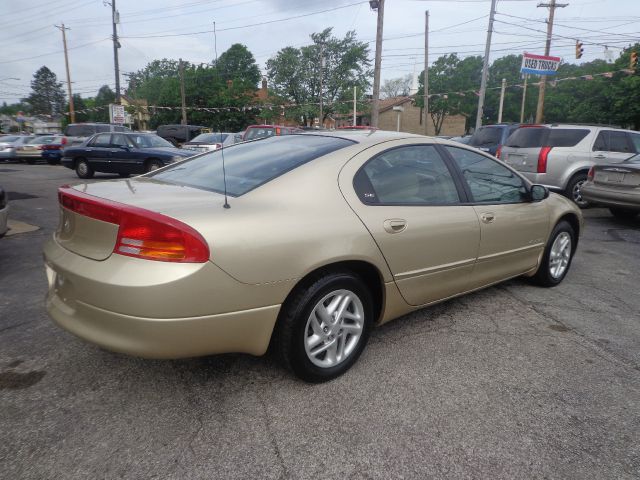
[89, 228]
[617, 176]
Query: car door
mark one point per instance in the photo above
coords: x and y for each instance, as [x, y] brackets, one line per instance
[513, 230]
[123, 155]
[612, 146]
[98, 152]
[411, 203]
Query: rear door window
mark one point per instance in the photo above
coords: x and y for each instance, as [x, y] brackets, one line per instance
[101, 141]
[528, 137]
[612, 141]
[103, 128]
[80, 130]
[635, 139]
[249, 165]
[414, 175]
[566, 137]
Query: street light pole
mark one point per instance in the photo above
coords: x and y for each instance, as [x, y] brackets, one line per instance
[426, 72]
[116, 46]
[375, 104]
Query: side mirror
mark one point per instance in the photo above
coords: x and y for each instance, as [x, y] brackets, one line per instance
[538, 193]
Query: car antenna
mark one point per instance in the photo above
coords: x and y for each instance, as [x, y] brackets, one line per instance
[224, 172]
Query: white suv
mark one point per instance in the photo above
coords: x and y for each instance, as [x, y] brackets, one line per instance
[559, 156]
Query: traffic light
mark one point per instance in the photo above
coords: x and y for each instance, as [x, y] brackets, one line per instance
[579, 49]
[633, 62]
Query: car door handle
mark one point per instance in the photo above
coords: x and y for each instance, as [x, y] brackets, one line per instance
[394, 225]
[487, 217]
[89, 149]
[599, 156]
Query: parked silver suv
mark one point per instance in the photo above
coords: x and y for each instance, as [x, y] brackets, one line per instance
[559, 156]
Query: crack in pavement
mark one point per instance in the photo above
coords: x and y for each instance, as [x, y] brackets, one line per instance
[272, 437]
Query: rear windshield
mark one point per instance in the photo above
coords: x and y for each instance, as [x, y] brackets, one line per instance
[42, 140]
[249, 165]
[551, 137]
[528, 137]
[149, 141]
[211, 138]
[80, 130]
[254, 133]
[485, 136]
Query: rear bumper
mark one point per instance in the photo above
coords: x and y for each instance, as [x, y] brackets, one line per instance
[610, 197]
[158, 309]
[247, 331]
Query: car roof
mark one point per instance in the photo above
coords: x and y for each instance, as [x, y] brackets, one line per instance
[369, 137]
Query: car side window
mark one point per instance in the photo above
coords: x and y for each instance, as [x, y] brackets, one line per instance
[102, 140]
[413, 175]
[119, 140]
[618, 142]
[602, 142]
[103, 128]
[635, 139]
[488, 180]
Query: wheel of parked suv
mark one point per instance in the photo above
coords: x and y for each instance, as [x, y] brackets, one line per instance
[153, 165]
[83, 169]
[324, 326]
[557, 256]
[573, 189]
[623, 213]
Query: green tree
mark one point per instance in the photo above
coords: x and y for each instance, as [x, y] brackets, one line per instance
[294, 73]
[449, 75]
[47, 96]
[238, 65]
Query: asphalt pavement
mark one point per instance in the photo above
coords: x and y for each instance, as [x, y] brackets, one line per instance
[514, 381]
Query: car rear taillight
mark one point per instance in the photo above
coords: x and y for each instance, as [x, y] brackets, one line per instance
[499, 151]
[141, 233]
[40, 147]
[591, 174]
[542, 159]
[64, 141]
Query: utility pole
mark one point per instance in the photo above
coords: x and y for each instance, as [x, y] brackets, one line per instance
[543, 81]
[485, 66]
[426, 71]
[375, 104]
[502, 89]
[72, 113]
[524, 97]
[115, 19]
[321, 74]
[184, 107]
[354, 104]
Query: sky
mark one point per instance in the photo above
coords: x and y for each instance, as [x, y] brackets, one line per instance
[155, 29]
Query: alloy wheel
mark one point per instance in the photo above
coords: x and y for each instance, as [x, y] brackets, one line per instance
[334, 328]
[560, 255]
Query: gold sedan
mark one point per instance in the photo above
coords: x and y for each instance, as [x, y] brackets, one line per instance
[302, 242]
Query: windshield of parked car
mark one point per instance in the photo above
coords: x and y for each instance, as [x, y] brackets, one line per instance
[210, 138]
[260, 132]
[249, 165]
[80, 130]
[42, 140]
[485, 136]
[149, 141]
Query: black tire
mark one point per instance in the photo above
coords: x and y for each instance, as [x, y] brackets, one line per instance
[152, 164]
[572, 191]
[124, 175]
[83, 169]
[623, 213]
[292, 328]
[544, 276]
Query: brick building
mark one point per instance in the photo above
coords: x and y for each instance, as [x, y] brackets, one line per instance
[412, 117]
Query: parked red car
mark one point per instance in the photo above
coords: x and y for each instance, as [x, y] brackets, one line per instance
[261, 131]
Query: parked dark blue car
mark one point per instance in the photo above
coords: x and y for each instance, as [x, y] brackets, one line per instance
[121, 153]
[490, 138]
